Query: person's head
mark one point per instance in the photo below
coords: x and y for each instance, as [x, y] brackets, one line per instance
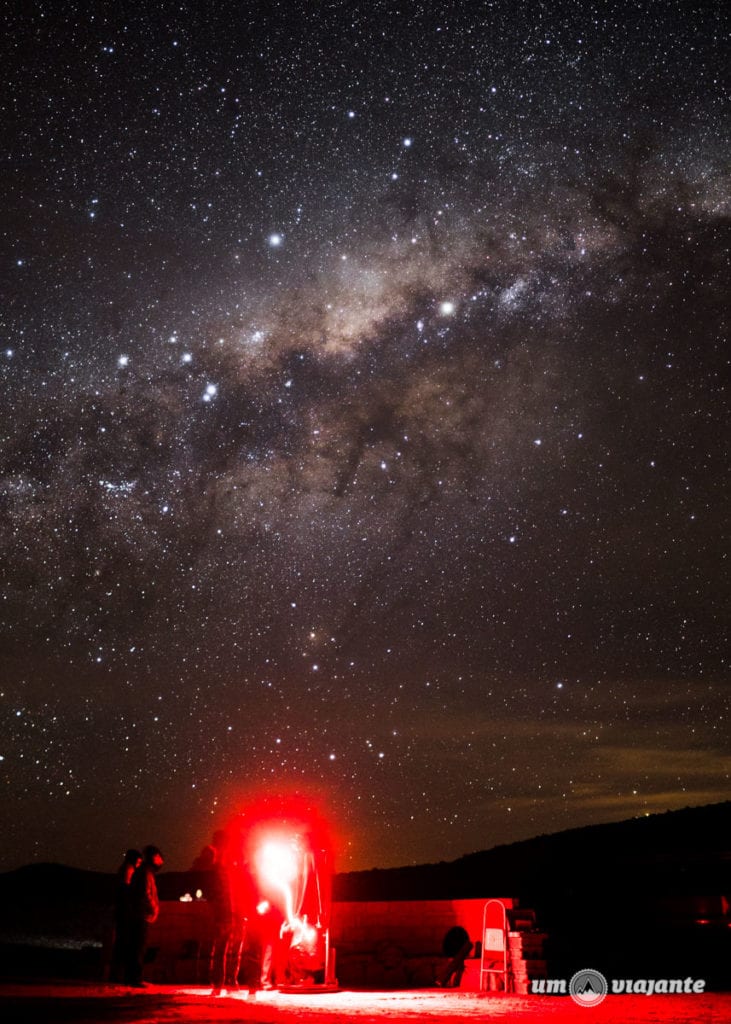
[220, 839]
[133, 857]
[153, 857]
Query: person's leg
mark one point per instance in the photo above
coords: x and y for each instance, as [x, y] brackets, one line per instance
[136, 960]
[218, 958]
[235, 951]
[129, 952]
[116, 964]
[267, 964]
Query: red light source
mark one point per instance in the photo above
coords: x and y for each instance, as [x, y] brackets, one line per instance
[277, 863]
[286, 843]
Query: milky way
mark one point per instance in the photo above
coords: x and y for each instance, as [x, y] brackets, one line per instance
[363, 421]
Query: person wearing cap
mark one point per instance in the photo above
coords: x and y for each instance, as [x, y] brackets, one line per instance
[144, 908]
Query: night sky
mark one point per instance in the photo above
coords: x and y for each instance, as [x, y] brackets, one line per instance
[363, 427]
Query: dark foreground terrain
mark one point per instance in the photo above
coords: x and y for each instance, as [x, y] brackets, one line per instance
[64, 1004]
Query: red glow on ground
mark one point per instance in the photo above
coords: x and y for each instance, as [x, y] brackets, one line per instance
[48, 1004]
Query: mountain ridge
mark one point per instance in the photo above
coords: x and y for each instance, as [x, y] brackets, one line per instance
[691, 837]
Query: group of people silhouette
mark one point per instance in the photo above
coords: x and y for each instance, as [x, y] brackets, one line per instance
[234, 901]
[236, 904]
[136, 907]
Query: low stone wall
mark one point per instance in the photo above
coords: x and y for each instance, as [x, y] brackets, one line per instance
[399, 944]
[386, 944]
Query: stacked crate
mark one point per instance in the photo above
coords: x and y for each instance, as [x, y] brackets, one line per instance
[526, 953]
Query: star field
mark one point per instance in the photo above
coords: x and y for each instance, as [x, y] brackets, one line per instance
[364, 420]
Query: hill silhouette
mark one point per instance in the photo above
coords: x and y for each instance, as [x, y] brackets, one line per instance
[646, 897]
[687, 851]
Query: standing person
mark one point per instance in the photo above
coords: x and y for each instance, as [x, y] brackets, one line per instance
[242, 905]
[221, 901]
[144, 908]
[132, 860]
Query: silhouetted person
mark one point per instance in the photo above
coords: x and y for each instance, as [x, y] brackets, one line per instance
[122, 891]
[205, 859]
[220, 899]
[242, 906]
[458, 946]
[144, 908]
